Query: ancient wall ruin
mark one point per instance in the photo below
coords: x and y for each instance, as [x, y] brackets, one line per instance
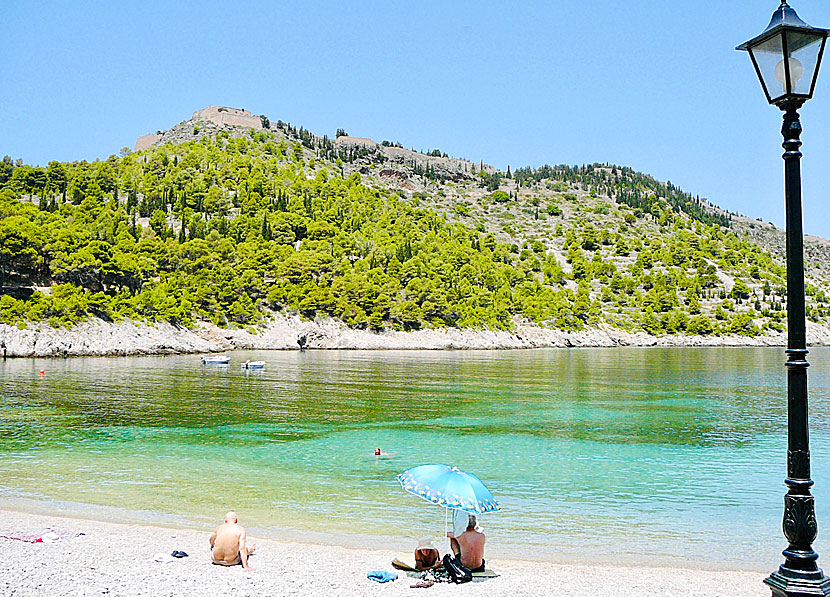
[345, 140]
[146, 141]
[222, 115]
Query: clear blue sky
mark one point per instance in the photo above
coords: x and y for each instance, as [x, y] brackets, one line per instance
[650, 84]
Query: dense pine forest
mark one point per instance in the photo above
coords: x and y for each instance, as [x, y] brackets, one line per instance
[229, 225]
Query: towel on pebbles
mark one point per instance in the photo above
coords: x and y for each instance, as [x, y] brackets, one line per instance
[45, 536]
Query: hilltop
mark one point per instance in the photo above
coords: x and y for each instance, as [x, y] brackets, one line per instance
[229, 225]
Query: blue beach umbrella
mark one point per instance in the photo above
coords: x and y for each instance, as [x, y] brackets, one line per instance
[447, 486]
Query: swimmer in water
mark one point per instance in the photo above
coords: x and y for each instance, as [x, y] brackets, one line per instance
[380, 454]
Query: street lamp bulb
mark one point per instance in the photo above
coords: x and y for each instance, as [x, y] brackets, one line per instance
[796, 71]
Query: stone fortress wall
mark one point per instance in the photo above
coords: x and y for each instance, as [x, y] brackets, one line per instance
[347, 141]
[452, 167]
[219, 116]
[145, 141]
[222, 115]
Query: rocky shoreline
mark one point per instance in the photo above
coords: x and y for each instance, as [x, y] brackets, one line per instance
[289, 332]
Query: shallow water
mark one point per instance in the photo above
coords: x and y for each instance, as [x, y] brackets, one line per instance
[666, 455]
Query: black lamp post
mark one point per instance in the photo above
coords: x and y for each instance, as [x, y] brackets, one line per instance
[786, 57]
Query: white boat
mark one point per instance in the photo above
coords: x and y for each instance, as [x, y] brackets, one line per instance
[216, 360]
[253, 364]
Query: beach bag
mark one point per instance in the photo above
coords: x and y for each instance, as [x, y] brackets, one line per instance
[458, 573]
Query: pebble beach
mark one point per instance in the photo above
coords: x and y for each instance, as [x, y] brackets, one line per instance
[117, 559]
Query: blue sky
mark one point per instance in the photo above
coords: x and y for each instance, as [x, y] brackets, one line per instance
[650, 84]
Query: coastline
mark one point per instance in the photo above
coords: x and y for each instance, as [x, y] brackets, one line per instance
[289, 332]
[117, 559]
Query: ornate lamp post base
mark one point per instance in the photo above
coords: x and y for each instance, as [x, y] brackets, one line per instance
[786, 582]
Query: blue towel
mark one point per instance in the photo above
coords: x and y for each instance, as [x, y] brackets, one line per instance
[382, 575]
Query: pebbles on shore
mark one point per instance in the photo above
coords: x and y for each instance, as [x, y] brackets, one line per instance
[117, 560]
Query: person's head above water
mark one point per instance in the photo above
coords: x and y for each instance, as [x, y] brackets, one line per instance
[377, 451]
[231, 516]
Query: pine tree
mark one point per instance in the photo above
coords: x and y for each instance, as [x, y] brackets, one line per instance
[265, 230]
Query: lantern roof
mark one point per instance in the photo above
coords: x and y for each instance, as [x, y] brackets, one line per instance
[784, 17]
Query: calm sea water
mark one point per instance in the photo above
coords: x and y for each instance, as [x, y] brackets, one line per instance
[672, 455]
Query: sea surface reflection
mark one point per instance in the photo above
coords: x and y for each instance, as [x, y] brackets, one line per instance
[671, 455]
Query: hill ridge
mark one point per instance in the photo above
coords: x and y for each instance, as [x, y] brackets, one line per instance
[224, 223]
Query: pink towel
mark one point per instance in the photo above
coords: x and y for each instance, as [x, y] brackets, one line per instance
[26, 538]
[46, 536]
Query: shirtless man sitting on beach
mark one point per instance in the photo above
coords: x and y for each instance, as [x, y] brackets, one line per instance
[468, 547]
[227, 543]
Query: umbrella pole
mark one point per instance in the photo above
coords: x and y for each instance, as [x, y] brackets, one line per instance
[446, 517]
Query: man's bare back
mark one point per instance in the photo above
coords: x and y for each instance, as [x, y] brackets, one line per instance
[472, 548]
[227, 543]
[469, 545]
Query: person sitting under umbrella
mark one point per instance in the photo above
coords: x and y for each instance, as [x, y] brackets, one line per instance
[468, 546]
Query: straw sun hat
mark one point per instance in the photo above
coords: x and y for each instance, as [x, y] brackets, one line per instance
[426, 543]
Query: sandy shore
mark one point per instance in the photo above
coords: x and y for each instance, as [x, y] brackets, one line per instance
[114, 559]
[289, 332]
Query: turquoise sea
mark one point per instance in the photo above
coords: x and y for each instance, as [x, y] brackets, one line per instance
[632, 455]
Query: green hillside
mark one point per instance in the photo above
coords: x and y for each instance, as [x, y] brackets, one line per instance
[228, 225]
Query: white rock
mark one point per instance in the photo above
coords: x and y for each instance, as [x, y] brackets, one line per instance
[290, 332]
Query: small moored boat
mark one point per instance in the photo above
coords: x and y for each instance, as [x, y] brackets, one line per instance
[253, 364]
[216, 360]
